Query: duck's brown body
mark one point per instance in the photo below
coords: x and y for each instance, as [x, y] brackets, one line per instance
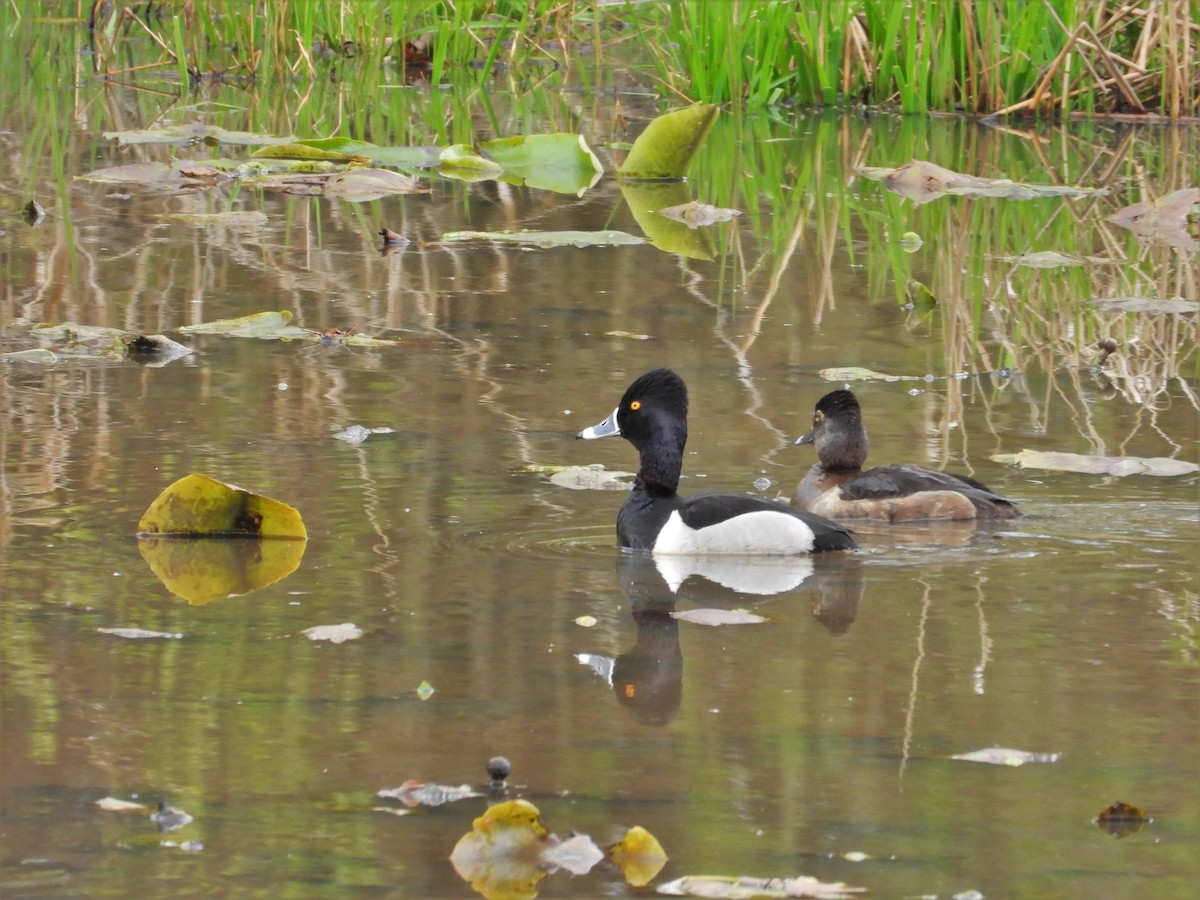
[837, 487]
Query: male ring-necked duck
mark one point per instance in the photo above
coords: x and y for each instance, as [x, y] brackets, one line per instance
[838, 487]
[653, 417]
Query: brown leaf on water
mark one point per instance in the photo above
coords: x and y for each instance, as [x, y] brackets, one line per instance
[413, 793]
[1165, 218]
[361, 185]
[1122, 819]
[697, 215]
[722, 887]
[639, 855]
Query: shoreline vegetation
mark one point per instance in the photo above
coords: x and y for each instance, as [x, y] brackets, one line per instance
[1056, 59]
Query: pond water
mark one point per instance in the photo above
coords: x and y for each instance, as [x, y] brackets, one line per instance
[782, 748]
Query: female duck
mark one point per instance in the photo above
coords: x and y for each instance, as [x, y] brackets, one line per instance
[838, 487]
[653, 417]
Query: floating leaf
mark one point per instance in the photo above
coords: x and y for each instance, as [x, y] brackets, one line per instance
[112, 804]
[335, 634]
[361, 185]
[1164, 218]
[198, 505]
[562, 163]
[698, 215]
[718, 617]
[264, 325]
[586, 621]
[1121, 820]
[141, 633]
[203, 570]
[720, 887]
[425, 690]
[169, 818]
[922, 181]
[309, 150]
[629, 335]
[501, 855]
[460, 160]
[578, 854]
[1004, 756]
[1053, 461]
[1148, 305]
[547, 239]
[401, 157]
[413, 793]
[666, 147]
[638, 855]
[1046, 259]
[193, 133]
[855, 373]
[34, 355]
[591, 478]
[234, 218]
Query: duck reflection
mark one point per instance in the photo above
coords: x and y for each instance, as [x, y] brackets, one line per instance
[648, 678]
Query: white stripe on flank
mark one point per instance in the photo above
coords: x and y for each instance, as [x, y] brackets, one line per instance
[763, 533]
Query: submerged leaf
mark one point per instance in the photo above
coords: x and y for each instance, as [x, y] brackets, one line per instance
[1004, 756]
[199, 505]
[1120, 466]
[547, 239]
[723, 887]
[591, 478]
[335, 634]
[718, 617]
[666, 147]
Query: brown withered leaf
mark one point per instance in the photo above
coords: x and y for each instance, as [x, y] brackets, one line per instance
[1165, 218]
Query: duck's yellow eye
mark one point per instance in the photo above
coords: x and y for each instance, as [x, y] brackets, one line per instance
[635, 405]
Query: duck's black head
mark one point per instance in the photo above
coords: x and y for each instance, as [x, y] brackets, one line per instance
[838, 432]
[652, 415]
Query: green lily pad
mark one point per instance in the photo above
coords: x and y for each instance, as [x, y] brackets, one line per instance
[646, 199]
[665, 149]
[462, 160]
[558, 162]
[410, 158]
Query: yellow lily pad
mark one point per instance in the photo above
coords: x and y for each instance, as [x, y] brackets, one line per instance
[639, 855]
[203, 570]
[197, 505]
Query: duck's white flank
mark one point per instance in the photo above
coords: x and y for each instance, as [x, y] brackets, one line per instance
[761, 533]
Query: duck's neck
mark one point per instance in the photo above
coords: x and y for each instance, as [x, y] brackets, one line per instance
[661, 464]
[845, 451]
